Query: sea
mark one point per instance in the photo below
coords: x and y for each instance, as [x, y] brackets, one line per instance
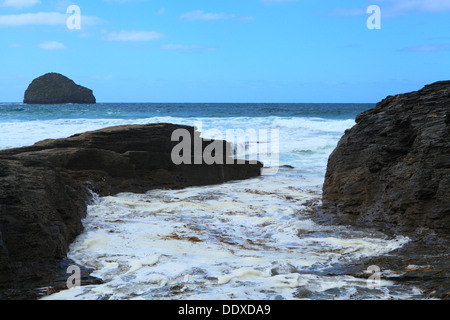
[242, 240]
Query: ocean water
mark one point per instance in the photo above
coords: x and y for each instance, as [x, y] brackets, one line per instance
[252, 239]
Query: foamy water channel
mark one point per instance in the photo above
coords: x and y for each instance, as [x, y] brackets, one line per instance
[252, 239]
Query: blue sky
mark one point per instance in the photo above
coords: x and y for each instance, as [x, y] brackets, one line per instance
[227, 50]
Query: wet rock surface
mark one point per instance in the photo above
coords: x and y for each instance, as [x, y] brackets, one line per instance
[391, 172]
[392, 169]
[45, 189]
[422, 263]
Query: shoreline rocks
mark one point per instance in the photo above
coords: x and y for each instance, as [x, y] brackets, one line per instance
[391, 173]
[54, 88]
[392, 169]
[45, 189]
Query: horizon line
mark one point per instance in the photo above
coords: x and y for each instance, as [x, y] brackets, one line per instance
[21, 103]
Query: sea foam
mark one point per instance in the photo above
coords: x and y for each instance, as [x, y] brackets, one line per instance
[251, 239]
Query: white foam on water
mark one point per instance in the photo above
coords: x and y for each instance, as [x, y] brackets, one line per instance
[252, 239]
[304, 143]
[28, 132]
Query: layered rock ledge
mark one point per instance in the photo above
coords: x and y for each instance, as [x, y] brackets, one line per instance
[392, 169]
[54, 88]
[45, 190]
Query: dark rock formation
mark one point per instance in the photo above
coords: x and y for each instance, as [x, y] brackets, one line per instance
[40, 215]
[392, 169]
[45, 188]
[54, 88]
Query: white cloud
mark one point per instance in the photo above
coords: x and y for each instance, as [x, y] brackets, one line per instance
[204, 16]
[42, 19]
[394, 8]
[52, 46]
[404, 6]
[200, 15]
[134, 36]
[19, 4]
[427, 48]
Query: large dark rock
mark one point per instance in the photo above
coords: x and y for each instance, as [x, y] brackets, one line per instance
[45, 189]
[54, 88]
[40, 215]
[392, 169]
